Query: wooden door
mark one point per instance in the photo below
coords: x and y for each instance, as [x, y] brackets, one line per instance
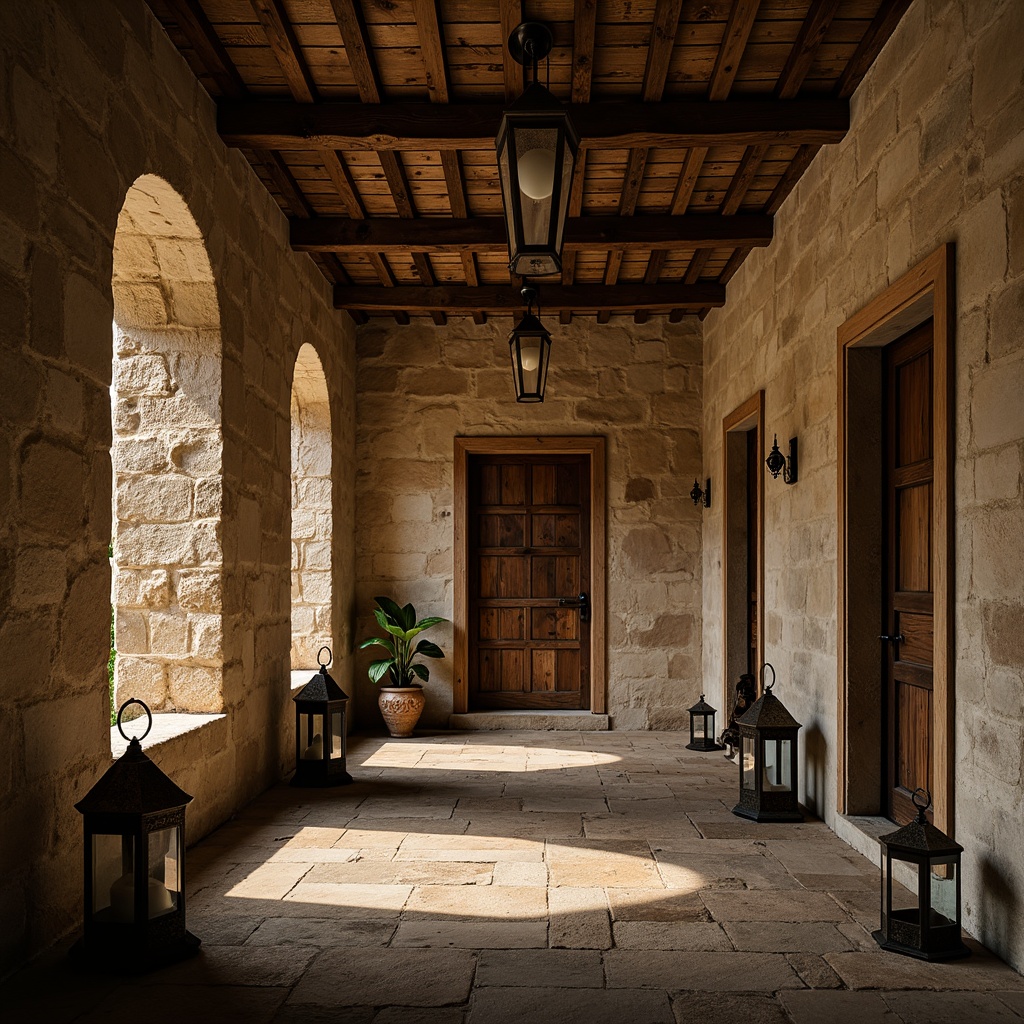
[909, 597]
[529, 562]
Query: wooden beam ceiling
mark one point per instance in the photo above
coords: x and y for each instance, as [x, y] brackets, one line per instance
[373, 126]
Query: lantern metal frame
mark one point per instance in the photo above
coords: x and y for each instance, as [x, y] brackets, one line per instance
[923, 932]
[537, 110]
[706, 741]
[701, 495]
[768, 722]
[133, 801]
[321, 697]
[530, 327]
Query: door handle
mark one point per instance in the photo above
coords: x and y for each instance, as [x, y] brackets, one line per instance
[899, 638]
[581, 601]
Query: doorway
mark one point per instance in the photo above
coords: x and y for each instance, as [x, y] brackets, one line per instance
[529, 574]
[894, 567]
[743, 542]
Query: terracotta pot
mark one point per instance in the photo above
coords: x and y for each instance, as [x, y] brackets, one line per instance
[401, 707]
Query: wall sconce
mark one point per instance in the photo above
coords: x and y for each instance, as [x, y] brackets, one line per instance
[697, 494]
[778, 463]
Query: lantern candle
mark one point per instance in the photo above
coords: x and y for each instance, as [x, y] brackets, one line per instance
[122, 898]
[315, 751]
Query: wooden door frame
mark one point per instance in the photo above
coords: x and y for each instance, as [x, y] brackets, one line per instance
[594, 449]
[925, 292]
[744, 417]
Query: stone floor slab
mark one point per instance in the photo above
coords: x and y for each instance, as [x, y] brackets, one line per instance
[678, 935]
[374, 902]
[707, 972]
[649, 904]
[948, 1007]
[727, 1008]
[814, 1007]
[320, 932]
[768, 905]
[568, 1006]
[492, 902]
[549, 968]
[787, 937]
[981, 972]
[472, 934]
[372, 977]
[403, 872]
[579, 918]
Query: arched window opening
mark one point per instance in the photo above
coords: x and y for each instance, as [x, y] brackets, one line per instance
[311, 511]
[166, 457]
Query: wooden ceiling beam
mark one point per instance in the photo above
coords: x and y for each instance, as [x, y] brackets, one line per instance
[881, 28]
[391, 235]
[209, 49]
[510, 13]
[555, 297]
[283, 42]
[271, 124]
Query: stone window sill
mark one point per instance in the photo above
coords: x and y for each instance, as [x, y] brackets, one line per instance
[166, 727]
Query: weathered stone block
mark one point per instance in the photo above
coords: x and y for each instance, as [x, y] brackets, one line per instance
[195, 688]
[154, 499]
[168, 633]
[199, 590]
[51, 482]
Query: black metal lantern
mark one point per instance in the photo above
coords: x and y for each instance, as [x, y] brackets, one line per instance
[134, 820]
[320, 733]
[768, 757]
[778, 463]
[536, 148]
[921, 917]
[530, 347]
[702, 727]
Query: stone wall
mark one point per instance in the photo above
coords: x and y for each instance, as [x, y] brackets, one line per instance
[935, 154]
[92, 97]
[640, 386]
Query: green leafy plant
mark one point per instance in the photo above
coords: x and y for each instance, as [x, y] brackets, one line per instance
[402, 629]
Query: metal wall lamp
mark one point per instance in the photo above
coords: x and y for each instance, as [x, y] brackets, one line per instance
[778, 463]
[698, 494]
[530, 347]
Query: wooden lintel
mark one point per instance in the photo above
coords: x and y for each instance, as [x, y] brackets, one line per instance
[487, 234]
[279, 125]
[553, 298]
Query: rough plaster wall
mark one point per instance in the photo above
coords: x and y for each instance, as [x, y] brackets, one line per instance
[639, 386]
[935, 154]
[93, 95]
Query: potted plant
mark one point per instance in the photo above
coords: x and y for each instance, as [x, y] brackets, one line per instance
[402, 702]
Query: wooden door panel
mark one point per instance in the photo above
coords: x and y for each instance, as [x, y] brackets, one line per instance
[914, 716]
[914, 515]
[529, 548]
[909, 599]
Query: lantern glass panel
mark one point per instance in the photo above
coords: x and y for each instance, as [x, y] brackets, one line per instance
[903, 900]
[311, 728]
[777, 765]
[337, 735]
[112, 859]
[506, 181]
[535, 153]
[943, 892]
[699, 730]
[748, 763]
[164, 870]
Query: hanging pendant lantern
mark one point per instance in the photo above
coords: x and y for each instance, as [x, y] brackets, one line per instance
[320, 730]
[536, 149]
[921, 916]
[530, 347]
[768, 760]
[134, 820]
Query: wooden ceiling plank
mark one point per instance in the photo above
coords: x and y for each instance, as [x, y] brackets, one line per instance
[281, 36]
[396, 236]
[286, 184]
[673, 124]
[881, 28]
[500, 298]
[730, 53]
[358, 50]
[511, 15]
[209, 49]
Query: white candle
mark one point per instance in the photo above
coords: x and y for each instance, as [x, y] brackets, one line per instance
[122, 898]
[315, 751]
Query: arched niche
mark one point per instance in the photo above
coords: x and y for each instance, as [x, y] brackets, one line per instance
[312, 511]
[166, 456]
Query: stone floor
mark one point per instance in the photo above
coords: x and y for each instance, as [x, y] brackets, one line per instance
[483, 878]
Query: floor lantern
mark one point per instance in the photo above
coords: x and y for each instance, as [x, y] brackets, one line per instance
[320, 731]
[924, 923]
[134, 820]
[702, 727]
[768, 754]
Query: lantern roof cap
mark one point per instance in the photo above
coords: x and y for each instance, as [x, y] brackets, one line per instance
[133, 784]
[320, 688]
[702, 707]
[530, 326]
[537, 99]
[920, 837]
[768, 712]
